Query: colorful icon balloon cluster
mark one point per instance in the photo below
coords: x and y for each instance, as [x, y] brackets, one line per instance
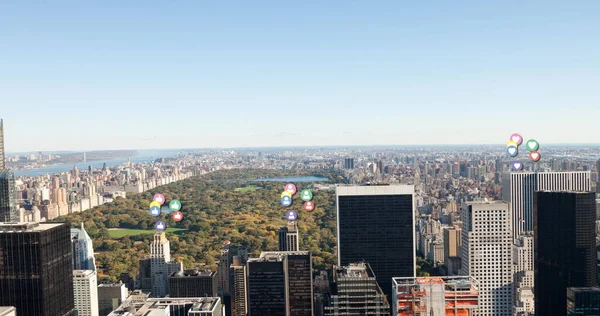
[286, 200]
[158, 207]
[512, 149]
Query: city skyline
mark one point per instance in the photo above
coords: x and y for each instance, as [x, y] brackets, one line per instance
[90, 75]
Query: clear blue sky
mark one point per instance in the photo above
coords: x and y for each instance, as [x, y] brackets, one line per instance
[171, 74]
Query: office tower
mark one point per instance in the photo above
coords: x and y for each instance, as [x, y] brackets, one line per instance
[349, 163]
[376, 224]
[227, 254]
[175, 306]
[356, 292]
[289, 238]
[487, 254]
[280, 284]
[9, 211]
[583, 301]
[452, 242]
[193, 283]
[239, 299]
[44, 259]
[2, 158]
[380, 167]
[156, 268]
[523, 274]
[518, 188]
[435, 296]
[564, 246]
[83, 249]
[110, 296]
[85, 290]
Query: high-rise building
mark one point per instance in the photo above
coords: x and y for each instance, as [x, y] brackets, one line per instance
[38, 281]
[518, 188]
[156, 268]
[193, 283]
[356, 292]
[583, 301]
[83, 249]
[85, 290]
[289, 237]
[170, 306]
[110, 296]
[280, 284]
[487, 254]
[435, 296]
[223, 275]
[564, 247]
[348, 163]
[2, 158]
[452, 241]
[239, 298]
[9, 211]
[523, 274]
[376, 224]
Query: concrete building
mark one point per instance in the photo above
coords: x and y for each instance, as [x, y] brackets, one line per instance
[85, 289]
[110, 296]
[356, 292]
[156, 268]
[289, 238]
[583, 301]
[8, 311]
[435, 296]
[239, 297]
[487, 254]
[223, 267]
[193, 283]
[523, 273]
[176, 306]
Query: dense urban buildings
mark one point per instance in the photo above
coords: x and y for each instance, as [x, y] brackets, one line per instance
[564, 248]
[2, 158]
[280, 284]
[140, 304]
[487, 254]
[435, 296]
[156, 268]
[289, 239]
[193, 283]
[38, 281]
[355, 292]
[376, 224]
[583, 301]
[85, 291]
[110, 296]
[523, 274]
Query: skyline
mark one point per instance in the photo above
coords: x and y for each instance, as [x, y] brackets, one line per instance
[108, 76]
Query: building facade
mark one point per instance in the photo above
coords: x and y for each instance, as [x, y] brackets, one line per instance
[83, 249]
[487, 255]
[156, 268]
[583, 301]
[193, 283]
[9, 212]
[110, 296]
[289, 238]
[85, 291]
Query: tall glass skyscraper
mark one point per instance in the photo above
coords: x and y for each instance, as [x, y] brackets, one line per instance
[83, 249]
[35, 269]
[376, 224]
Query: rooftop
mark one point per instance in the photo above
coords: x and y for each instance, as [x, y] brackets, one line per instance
[354, 270]
[27, 227]
[274, 256]
[192, 273]
[200, 304]
[585, 289]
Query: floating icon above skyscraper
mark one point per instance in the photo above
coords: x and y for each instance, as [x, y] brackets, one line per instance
[306, 195]
[160, 225]
[286, 201]
[291, 215]
[159, 198]
[308, 206]
[290, 187]
[175, 205]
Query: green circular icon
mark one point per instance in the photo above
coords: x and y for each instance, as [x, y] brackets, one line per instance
[532, 145]
[175, 205]
[306, 195]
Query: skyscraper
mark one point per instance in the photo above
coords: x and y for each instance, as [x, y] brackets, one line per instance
[38, 281]
[487, 254]
[289, 237]
[523, 273]
[280, 284]
[85, 289]
[110, 296]
[83, 249]
[583, 301]
[193, 283]
[518, 188]
[564, 247]
[2, 158]
[376, 224]
[156, 268]
[348, 163]
[239, 298]
[9, 211]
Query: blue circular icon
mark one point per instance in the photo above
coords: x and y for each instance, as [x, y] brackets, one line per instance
[155, 211]
[291, 215]
[160, 225]
[512, 151]
[286, 201]
[165, 209]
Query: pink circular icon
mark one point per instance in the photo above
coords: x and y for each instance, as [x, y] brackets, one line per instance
[177, 216]
[290, 187]
[517, 138]
[534, 156]
[309, 206]
[159, 198]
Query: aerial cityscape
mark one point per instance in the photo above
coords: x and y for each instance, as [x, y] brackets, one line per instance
[314, 159]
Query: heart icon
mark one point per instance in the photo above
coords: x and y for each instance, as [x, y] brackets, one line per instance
[516, 137]
[534, 156]
[532, 145]
[517, 166]
[512, 151]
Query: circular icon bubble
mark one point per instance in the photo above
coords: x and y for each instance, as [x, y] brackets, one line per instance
[175, 205]
[512, 151]
[154, 203]
[165, 209]
[533, 145]
[159, 198]
[286, 193]
[309, 206]
[534, 156]
[511, 143]
[291, 215]
[160, 225]
[290, 187]
[306, 195]
[177, 216]
[517, 166]
[155, 211]
[516, 137]
[286, 201]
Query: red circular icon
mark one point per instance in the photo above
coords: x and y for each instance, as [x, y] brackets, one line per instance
[177, 216]
[534, 156]
[309, 206]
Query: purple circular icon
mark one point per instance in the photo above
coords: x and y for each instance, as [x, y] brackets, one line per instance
[517, 166]
[291, 215]
[160, 225]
